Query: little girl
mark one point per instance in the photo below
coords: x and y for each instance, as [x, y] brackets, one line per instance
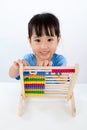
[44, 37]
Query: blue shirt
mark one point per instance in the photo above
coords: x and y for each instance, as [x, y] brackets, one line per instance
[57, 60]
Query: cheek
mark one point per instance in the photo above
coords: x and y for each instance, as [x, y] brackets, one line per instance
[53, 48]
[35, 49]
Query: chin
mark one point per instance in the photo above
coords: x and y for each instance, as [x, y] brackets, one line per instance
[45, 57]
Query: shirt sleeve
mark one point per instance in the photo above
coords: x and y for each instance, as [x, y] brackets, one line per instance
[59, 60]
[18, 77]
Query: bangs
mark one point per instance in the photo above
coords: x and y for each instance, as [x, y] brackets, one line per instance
[44, 29]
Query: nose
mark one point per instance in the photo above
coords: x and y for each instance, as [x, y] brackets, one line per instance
[44, 45]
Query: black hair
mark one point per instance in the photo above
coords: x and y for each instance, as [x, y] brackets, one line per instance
[46, 22]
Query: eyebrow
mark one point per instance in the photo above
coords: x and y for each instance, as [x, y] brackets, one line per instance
[35, 37]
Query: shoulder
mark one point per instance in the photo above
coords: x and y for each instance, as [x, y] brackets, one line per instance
[59, 60]
[30, 58]
[30, 55]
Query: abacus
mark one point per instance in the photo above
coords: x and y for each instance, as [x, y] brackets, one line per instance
[48, 82]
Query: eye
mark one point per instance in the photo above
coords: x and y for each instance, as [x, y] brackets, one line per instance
[50, 39]
[37, 40]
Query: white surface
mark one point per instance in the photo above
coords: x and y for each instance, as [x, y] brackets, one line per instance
[41, 114]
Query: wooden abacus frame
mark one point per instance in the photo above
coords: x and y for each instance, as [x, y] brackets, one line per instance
[62, 87]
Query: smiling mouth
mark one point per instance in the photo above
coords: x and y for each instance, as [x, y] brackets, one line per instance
[44, 53]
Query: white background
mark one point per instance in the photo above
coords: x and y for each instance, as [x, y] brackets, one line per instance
[14, 17]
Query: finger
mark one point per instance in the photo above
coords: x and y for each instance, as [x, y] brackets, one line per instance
[25, 63]
[19, 61]
[15, 64]
[41, 63]
[50, 63]
[46, 63]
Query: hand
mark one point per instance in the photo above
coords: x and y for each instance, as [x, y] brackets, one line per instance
[18, 62]
[14, 69]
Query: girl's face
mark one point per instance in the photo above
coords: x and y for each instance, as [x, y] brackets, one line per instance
[44, 46]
